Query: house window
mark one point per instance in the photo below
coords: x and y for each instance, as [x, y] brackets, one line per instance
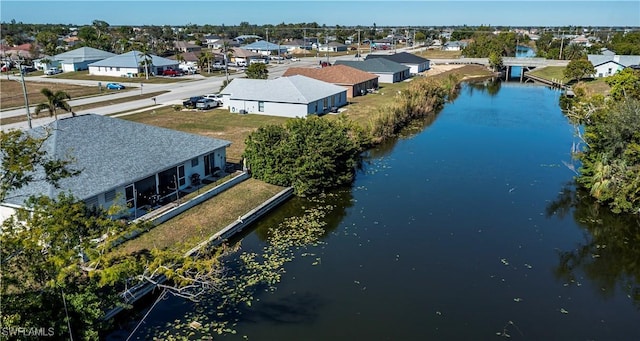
[91, 202]
[110, 195]
[609, 72]
[181, 179]
[130, 195]
[194, 162]
[261, 106]
[326, 103]
[117, 69]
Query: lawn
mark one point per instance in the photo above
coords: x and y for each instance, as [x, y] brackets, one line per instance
[593, 86]
[84, 75]
[551, 72]
[439, 54]
[199, 223]
[217, 123]
[12, 95]
[96, 104]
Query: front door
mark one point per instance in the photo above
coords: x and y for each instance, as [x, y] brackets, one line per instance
[207, 165]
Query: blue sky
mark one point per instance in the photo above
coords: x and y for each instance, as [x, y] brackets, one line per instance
[344, 12]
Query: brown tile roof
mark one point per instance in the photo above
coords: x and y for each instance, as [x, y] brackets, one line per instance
[336, 74]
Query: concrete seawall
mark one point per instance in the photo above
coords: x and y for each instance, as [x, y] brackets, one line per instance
[135, 293]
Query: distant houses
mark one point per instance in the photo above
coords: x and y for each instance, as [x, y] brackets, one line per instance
[387, 71]
[356, 82]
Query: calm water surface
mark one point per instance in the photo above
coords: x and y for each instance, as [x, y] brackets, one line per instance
[462, 230]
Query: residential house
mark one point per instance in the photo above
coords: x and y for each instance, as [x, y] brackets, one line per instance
[609, 65]
[356, 82]
[333, 46]
[240, 55]
[265, 48]
[210, 39]
[189, 58]
[218, 44]
[455, 45]
[184, 46]
[415, 63]
[295, 96]
[297, 45]
[19, 52]
[387, 71]
[246, 38]
[78, 59]
[131, 64]
[133, 165]
[382, 44]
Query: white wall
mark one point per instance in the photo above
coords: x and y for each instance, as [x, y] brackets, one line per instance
[385, 78]
[607, 69]
[111, 71]
[270, 108]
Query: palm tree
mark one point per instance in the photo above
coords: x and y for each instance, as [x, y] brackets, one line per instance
[206, 57]
[55, 101]
[145, 59]
[227, 52]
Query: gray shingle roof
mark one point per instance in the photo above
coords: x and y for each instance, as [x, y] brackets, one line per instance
[132, 59]
[294, 89]
[82, 54]
[263, 46]
[624, 60]
[375, 65]
[112, 152]
[402, 58]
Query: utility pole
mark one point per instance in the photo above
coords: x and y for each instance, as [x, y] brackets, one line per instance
[24, 91]
[326, 44]
[561, 45]
[359, 43]
[267, 34]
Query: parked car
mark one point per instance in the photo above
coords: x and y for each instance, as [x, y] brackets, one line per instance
[27, 68]
[207, 103]
[52, 71]
[171, 73]
[295, 59]
[215, 97]
[115, 86]
[191, 102]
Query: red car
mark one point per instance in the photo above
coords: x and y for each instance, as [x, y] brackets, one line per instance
[171, 73]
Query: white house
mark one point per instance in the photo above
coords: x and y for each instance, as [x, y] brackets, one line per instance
[265, 48]
[608, 65]
[122, 162]
[79, 59]
[131, 64]
[454, 46]
[295, 96]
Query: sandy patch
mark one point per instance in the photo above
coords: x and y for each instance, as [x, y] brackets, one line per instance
[440, 68]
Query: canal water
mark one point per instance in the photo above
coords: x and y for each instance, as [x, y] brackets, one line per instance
[468, 227]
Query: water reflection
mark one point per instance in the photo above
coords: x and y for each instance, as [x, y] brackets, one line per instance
[489, 86]
[610, 254]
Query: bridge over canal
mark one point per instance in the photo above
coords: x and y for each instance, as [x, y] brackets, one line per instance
[527, 64]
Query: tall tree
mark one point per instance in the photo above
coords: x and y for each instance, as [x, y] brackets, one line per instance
[55, 101]
[578, 69]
